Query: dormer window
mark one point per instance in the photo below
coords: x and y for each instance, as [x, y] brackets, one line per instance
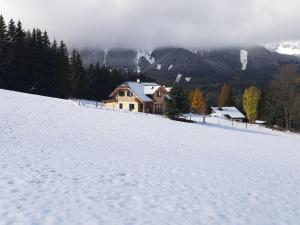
[121, 93]
[129, 94]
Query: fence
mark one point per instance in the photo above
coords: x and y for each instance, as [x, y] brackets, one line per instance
[100, 105]
[224, 122]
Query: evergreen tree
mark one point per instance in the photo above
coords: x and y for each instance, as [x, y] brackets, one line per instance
[19, 59]
[3, 39]
[251, 100]
[30, 63]
[177, 105]
[77, 82]
[4, 79]
[63, 80]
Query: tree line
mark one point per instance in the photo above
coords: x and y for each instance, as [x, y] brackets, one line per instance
[31, 63]
[278, 104]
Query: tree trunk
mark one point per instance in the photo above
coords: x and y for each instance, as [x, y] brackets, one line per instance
[286, 117]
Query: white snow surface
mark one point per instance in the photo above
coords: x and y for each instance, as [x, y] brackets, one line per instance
[66, 164]
[139, 89]
[285, 47]
[233, 112]
[105, 57]
[178, 77]
[158, 67]
[188, 79]
[244, 59]
[170, 67]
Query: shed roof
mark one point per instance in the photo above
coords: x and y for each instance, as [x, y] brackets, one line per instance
[231, 112]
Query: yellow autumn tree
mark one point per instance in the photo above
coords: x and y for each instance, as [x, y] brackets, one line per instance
[224, 96]
[199, 104]
[251, 99]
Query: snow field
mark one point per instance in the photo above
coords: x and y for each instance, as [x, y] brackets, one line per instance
[65, 164]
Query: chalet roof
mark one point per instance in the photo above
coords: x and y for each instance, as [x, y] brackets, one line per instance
[231, 112]
[150, 90]
[168, 88]
[139, 90]
[150, 84]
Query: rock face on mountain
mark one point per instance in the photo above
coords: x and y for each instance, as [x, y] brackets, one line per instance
[238, 66]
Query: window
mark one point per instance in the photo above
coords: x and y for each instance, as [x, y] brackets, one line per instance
[158, 94]
[131, 107]
[120, 106]
[121, 93]
[129, 94]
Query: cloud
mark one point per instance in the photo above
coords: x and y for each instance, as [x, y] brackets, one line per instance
[156, 23]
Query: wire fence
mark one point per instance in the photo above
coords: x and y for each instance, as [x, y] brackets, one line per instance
[100, 105]
[224, 122]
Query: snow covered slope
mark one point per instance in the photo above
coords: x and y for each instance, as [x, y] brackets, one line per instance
[285, 47]
[64, 164]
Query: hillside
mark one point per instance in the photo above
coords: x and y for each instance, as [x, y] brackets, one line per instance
[238, 66]
[66, 164]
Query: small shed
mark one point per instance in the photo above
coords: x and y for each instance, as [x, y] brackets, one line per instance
[231, 113]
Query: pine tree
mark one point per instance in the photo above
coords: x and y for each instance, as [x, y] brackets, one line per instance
[4, 78]
[251, 99]
[177, 105]
[199, 104]
[3, 39]
[63, 78]
[224, 97]
[30, 63]
[77, 82]
[11, 31]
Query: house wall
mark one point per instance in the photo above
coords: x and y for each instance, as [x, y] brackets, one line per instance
[125, 100]
[110, 105]
[160, 100]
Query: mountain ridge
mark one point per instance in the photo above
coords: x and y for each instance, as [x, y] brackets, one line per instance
[239, 65]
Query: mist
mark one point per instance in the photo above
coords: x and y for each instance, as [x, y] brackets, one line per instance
[149, 24]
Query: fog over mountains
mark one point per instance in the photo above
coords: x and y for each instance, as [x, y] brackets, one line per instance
[155, 23]
[236, 65]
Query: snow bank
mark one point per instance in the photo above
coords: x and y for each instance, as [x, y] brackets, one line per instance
[285, 47]
[66, 164]
[244, 59]
[178, 77]
[158, 67]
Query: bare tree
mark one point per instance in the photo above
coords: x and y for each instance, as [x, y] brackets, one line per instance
[284, 94]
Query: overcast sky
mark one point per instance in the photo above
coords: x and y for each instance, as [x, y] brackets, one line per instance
[156, 23]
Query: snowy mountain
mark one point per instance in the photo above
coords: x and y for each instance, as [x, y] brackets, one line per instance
[66, 164]
[285, 47]
[241, 66]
